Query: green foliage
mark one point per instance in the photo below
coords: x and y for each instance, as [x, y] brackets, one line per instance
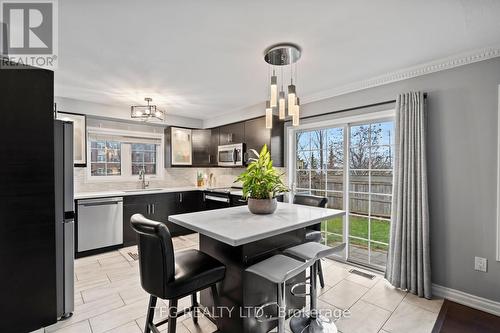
[261, 180]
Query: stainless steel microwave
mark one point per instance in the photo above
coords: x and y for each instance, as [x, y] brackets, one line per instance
[231, 155]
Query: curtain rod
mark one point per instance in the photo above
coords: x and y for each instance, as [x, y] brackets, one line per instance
[352, 109]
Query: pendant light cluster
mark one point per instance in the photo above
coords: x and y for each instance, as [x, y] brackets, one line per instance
[282, 58]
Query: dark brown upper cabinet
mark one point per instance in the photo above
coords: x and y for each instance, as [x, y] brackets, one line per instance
[277, 144]
[214, 145]
[256, 135]
[232, 133]
[201, 147]
[205, 143]
[252, 132]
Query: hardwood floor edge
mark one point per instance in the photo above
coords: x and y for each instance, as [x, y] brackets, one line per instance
[438, 325]
[460, 297]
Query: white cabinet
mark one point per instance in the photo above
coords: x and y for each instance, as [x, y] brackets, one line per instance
[181, 146]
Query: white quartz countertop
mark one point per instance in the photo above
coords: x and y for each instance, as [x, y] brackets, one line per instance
[237, 226]
[122, 193]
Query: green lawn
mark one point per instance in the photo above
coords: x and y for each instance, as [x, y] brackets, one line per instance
[359, 228]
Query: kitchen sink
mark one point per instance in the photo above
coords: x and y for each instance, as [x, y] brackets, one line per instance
[144, 190]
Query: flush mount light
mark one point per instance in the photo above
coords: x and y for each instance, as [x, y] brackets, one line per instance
[282, 55]
[147, 112]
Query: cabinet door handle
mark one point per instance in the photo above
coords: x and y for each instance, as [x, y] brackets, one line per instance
[209, 158]
[153, 208]
[148, 209]
[180, 197]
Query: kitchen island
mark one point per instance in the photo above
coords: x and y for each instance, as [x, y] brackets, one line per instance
[240, 239]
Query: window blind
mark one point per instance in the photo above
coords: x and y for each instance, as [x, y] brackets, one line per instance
[123, 138]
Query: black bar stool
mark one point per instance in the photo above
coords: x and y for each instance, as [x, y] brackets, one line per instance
[312, 321]
[278, 269]
[172, 276]
[312, 234]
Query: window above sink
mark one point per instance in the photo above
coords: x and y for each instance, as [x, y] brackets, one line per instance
[119, 155]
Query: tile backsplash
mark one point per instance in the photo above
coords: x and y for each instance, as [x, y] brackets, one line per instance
[173, 177]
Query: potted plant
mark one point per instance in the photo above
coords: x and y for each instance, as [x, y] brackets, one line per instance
[261, 183]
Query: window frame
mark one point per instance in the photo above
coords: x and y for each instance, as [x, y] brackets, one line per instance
[144, 163]
[342, 122]
[126, 156]
[105, 162]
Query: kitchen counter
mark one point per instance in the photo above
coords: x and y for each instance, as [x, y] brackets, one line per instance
[123, 193]
[236, 226]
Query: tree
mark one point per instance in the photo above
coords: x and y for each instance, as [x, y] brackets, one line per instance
[365, 142]
[318, 142]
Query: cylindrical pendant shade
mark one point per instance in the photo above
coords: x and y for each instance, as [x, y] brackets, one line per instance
[296, 113]
[269, 115]
[282, 105]
[291, 99]
[274, 91]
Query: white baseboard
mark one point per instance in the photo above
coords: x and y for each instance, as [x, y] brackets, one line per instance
[469, 300]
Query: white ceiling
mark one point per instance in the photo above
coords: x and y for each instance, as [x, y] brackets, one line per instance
[202, 59]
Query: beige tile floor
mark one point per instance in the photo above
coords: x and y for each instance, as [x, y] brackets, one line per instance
[109, 298]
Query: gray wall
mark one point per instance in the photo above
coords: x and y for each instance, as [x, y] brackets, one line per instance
[462, 148]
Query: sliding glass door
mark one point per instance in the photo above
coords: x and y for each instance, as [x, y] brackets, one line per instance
[351, 164]
[320, 171]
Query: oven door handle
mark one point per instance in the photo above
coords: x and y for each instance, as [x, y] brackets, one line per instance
[235, 155]
[214, 198]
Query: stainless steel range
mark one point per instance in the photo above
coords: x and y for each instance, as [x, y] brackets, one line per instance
[224, 197]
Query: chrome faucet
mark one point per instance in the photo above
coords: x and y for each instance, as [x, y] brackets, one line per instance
[142, 178]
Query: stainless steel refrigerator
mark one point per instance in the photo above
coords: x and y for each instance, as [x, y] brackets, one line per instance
[65, 217]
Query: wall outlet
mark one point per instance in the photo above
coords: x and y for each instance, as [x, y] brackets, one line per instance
[480, 264]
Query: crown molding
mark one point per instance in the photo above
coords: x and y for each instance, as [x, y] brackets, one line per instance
[408, 73]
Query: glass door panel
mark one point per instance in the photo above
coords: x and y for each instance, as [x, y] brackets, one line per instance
[351, 165]
[370, 192]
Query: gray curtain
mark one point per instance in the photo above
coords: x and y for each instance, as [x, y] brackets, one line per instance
[408, 261]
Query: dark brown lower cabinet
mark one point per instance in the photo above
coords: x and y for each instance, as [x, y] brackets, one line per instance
[159, 207]
[131, 207]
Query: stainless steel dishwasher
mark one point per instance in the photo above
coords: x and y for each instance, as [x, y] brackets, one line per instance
[100, 223]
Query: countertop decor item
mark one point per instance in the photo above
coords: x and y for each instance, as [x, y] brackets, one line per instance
[200, 179]
[261, 183]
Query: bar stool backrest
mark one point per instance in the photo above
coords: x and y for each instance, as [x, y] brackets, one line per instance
[156, 254]
[310, 200]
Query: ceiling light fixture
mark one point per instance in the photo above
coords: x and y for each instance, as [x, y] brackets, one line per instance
[282, 55]
[296, 112]
[147, 112]
[269, 115]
